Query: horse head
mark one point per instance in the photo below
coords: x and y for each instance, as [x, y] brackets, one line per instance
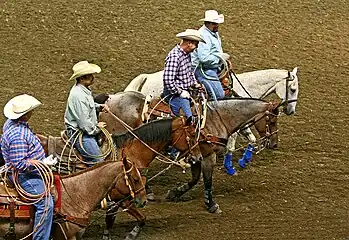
[288, 92]
[185, 140]
[267, 126]
[133, 184]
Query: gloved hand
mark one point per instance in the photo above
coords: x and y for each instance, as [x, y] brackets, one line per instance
[185, 94]
[50, 160]
[225, 56]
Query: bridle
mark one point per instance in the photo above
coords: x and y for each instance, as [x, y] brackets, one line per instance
[188, 137]
[287, 101]
[130, 181]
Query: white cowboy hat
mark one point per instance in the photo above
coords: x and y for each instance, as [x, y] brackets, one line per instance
[191, 34]
[83, 68]
[20, 105]
[212, 16]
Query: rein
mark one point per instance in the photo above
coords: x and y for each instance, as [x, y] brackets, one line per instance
[130, 130]
[29, 199]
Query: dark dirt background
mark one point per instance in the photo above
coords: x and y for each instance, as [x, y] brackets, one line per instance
[299, 191]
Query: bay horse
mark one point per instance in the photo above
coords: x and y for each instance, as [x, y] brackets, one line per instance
[224, 117]
[255, 84]
[81, 193]
[157, 135]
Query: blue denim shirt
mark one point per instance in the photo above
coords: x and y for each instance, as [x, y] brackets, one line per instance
[207, 53]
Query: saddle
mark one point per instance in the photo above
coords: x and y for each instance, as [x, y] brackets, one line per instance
[9, 208]
[13, 207]
[227, 82]
[69, 158]
[158, 108]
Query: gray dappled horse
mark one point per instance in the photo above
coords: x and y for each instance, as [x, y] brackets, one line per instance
[223, 118]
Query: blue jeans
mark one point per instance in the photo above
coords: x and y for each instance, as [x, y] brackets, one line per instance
[177, 103]
[33, 184]
[213, 85]
[89, 146]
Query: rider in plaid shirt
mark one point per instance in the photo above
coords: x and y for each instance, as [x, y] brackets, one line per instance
[18, 146]
[178, 74]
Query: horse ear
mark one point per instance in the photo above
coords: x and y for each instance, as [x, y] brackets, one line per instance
[294, 71]
[126, 163]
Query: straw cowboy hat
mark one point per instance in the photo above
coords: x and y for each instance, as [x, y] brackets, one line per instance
[191, 34]
[212, 16]
[83, 68]
[20, 105]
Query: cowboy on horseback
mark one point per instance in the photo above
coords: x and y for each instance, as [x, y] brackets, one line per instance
[178, 75]
[208, 56]
[19, 145]
[80, 116]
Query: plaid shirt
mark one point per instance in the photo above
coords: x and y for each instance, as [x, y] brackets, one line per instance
[19, 144]
[178, 74]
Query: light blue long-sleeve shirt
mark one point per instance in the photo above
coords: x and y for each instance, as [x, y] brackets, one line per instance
[80, 112]
[207, 53]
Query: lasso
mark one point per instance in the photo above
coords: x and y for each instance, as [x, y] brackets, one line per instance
[77, 136]
[45, 174]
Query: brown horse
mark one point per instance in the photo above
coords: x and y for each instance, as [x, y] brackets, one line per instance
[224, 117]
[157, 135]
[81, 193]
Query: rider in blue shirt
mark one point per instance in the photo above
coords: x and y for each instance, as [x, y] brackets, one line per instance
[208, 57]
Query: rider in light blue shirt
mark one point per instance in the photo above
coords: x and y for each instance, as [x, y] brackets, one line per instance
[207, 58]
[80, 113]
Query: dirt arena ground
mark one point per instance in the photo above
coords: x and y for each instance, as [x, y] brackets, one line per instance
[299, 191]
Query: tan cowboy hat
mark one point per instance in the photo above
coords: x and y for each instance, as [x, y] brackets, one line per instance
[213, 16]
[191, 34]
[83, 68]
[20, 105]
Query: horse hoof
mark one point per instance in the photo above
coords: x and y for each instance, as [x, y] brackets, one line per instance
[106, 235]
[171, 195]
[151, 197]
[134, 233]
[215, 209]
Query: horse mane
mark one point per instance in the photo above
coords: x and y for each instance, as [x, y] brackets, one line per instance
[152, 132]
[88, 169]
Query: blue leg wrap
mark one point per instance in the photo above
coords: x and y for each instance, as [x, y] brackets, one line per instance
[228, 164]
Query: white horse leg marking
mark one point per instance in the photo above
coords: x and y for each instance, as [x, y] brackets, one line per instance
[231, 143]
[249, 135]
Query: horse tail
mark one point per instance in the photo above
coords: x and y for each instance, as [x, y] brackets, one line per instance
[136, 83]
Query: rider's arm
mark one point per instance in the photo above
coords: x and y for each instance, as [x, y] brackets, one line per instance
[82, 109]
[169, 77]
[18, 154]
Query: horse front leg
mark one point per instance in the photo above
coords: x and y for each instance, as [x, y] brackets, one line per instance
[109, 220]
[136, 213]
[207, 171]
[228, 157]
[175, 193]
[247, 156]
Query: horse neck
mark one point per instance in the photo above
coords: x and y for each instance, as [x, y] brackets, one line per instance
[227, 116]
[142, 155]
[84, 190]
[259, 84]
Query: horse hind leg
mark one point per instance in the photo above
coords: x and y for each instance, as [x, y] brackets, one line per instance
[175, 193]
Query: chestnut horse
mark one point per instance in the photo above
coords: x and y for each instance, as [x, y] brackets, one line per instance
[157, 135]
[81, 193]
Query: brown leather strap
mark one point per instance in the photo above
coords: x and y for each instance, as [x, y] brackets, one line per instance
[214, 139]
[82, 222]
